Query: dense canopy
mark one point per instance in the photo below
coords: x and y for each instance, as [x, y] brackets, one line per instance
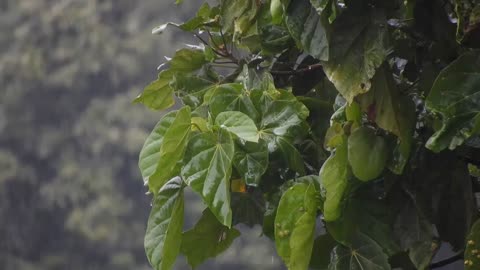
[348, 130]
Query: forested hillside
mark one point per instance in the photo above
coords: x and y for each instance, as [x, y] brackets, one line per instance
[69, 136]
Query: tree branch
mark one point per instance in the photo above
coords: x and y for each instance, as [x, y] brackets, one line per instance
[447, 261]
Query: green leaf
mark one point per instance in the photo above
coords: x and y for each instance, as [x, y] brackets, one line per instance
[150, 153]
[207, 169]
[172, 149]
[207, 239]
[358, 47]
[280, 111]
[416, 235]
[363, 254]
[455, 95]
[204, 17]
[237, 15]
[369, 216]
[334, 176]
[472, 260]
[309, 29]
[330, 8]
[322, 247]
[158, 95]
[230, 97]
[248, 208]
[187, 60]
[251, 161]
[191, 89]
[239, 124]
[295, 225]
[277, 10]
[164, 228]
[392, 112]
[291, 155]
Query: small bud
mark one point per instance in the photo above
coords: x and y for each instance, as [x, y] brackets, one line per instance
[471, 242]
[474, 251]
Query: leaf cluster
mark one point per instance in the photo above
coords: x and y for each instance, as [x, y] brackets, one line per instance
[358, 117]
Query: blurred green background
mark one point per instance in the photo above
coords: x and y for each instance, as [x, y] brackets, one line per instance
[71, 195]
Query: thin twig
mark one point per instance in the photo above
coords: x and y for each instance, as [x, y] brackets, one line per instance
[297, 71]
[207, 44]
[213, 40]
[224, 42]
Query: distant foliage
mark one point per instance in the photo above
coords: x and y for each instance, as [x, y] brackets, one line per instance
[348, 130]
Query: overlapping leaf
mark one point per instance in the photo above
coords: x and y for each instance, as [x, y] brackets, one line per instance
[358, 47]
[309, 29]
[164, 228]
[455, 95]
[230, 97]
[251, 161]
[207, 239]
[204, 17]
[472, 260]
[393, 113]
[295, 225]
[334, 177]
[191, 89]
[158, 95]
[239, 124]
[207, 169]
[172, 149]
[164, 148]
[363, 254]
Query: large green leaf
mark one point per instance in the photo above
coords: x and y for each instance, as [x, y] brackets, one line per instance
[322, 247]
[277, 10]
[251, 161]
[364, 254]
[239, 124]
[472, 259]
[455, 95]
[358, 47]
[191, 89]
[415, 233]
[158, 95]
[237, 15]
[230, 97]
[164, 228]
[281, 113]
[172, 149]
[207, 239]
[291, 155]
[334, 177]
[150, 153]
[309, 29]
[187, 60]
[370, 217]
[393, 113]
[207, 169]
[295, 225]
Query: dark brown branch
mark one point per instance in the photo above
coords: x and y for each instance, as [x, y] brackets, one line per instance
[224, 42]
[447, 261]
[297, 71]
[208, 45]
